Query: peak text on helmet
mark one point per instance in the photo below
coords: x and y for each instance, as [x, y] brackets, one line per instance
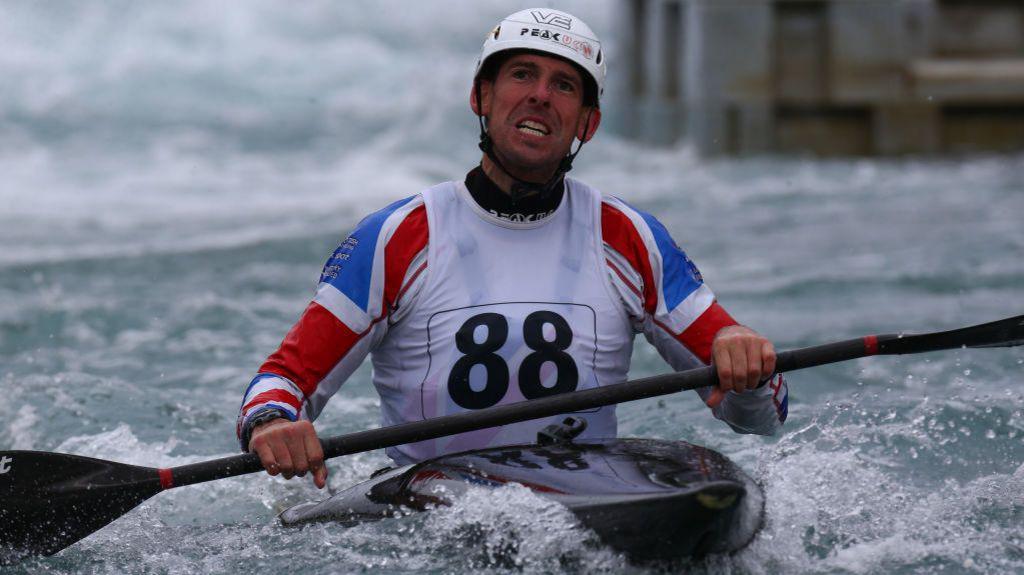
[581, 46]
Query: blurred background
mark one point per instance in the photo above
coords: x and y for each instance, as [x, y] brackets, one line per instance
[174, 175]
[833, 77]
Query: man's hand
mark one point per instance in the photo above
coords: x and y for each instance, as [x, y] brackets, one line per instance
[290, 448]
[743, 359]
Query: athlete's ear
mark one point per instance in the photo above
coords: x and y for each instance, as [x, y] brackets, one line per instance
[587, 126]
[480, 88]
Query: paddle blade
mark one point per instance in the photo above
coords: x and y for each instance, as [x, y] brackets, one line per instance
[50, 500]
[1007, 332]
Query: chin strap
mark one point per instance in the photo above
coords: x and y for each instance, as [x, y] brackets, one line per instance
[523, 188]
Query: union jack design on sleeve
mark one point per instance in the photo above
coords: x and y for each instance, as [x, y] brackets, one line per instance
[666, 295]
[372, 271]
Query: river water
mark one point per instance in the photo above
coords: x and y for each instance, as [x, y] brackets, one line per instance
[172, 177]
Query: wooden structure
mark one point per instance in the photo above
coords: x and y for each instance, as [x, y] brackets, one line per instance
[831, 77]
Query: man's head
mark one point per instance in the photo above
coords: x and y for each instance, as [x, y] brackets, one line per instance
[535, 109]
[538, 83]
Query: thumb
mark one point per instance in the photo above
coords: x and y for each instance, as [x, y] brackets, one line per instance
[320, 476]
[716, 397]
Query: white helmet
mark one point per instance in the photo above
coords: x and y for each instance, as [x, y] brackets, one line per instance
[551, 31]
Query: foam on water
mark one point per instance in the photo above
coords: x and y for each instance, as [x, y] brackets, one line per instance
[854, 514]
[508, 529]
[514, 529]
[21, 428]
[120, 444]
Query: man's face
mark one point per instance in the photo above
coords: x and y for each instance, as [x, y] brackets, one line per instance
[534, 109]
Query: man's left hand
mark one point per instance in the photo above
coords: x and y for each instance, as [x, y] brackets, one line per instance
[743, 359]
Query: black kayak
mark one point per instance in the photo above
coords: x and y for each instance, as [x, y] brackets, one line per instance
[653, 500]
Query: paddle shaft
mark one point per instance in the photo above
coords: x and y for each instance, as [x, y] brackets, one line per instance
[1005, 332]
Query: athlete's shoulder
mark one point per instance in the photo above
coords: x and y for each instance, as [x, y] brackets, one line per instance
[629, 230]
[622, 219]
[638, 238]
[387, 240]
[389, 216]
[616, 213]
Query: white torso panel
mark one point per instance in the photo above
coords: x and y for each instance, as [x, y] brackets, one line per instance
[508, 311]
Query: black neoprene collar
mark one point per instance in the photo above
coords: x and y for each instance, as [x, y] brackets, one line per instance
[530, 207]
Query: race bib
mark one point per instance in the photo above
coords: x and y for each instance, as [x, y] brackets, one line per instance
[487, 355]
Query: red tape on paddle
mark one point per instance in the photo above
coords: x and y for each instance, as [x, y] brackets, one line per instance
[166, 478]
[870, 345]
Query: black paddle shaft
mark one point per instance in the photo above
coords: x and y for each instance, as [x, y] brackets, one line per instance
[1004, 333]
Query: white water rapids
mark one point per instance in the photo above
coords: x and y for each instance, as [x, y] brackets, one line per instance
[172, 177]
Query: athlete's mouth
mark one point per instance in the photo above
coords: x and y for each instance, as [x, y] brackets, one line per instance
[533, 128]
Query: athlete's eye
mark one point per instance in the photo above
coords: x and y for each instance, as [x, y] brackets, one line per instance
[566, 86]
[520, 74]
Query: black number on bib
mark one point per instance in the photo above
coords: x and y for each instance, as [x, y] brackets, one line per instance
[480, 354]
[496, 383]
[545, 351]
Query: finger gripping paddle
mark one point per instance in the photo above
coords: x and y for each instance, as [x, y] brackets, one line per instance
[49, 501]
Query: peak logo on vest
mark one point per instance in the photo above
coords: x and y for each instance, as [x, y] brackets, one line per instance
[520, 217]
[5, 464]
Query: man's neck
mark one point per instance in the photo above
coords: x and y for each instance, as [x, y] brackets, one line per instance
[503, 180]
[528, 208]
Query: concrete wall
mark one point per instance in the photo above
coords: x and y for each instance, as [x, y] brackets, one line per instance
[833, 77]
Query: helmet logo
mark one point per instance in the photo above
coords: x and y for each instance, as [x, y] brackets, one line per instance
[581, 46]
[496, 31]
[584, 48]
[552, 18]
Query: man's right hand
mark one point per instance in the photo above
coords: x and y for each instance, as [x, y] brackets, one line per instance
[290, 448]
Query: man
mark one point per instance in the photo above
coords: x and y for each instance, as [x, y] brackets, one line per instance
[512, 285]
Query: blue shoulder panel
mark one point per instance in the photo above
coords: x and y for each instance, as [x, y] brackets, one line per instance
[350, 268]
[680, 276]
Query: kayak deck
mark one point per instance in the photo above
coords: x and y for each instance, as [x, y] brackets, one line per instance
[650, 499]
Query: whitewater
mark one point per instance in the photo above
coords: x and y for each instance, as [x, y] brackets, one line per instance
[173, 177]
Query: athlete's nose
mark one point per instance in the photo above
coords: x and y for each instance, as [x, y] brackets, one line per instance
[541, 94]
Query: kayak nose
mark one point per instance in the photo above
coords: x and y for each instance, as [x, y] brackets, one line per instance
[296, 514]
[717, 498]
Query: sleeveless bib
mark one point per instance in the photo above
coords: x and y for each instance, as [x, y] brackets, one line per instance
[509, 311]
